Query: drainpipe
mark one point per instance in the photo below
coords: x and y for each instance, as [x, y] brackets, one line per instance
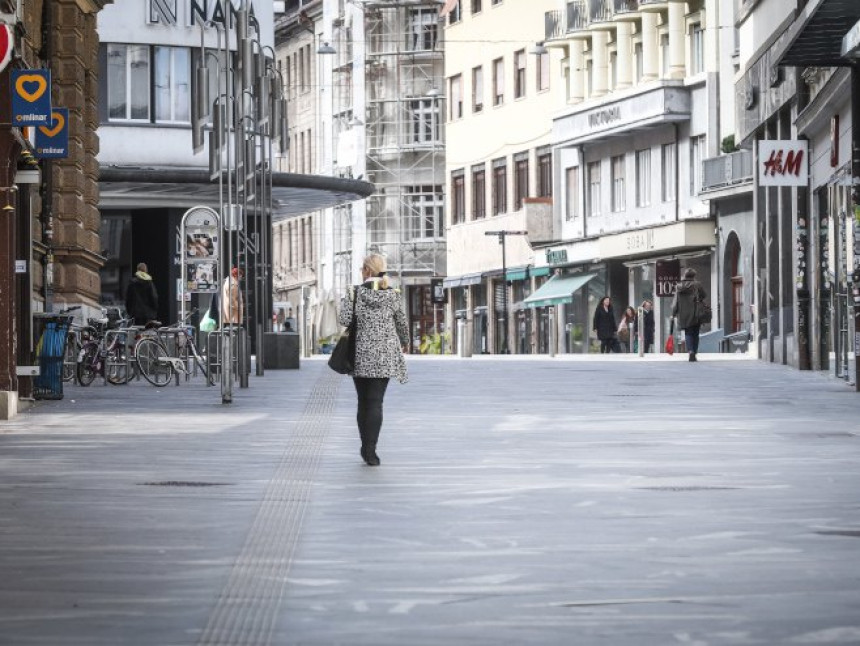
[46, 189]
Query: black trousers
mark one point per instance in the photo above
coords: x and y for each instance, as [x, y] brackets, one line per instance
[371, 392]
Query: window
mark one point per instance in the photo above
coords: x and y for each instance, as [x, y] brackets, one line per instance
[669, 160]
[476, 6]
[617, 167]
[477, 89]
[697, 152]
[643, 177]
[458, 197]
[303, 78]
[455, 91]
[425, 120]
[423, 30]
[500, 186]
[613, 70]
[172, 85]
[424, 208]
[664, 54]
[544, 169]
[519, 74]
[697, 49]
[572, 210]
[495, 2]
[128, 82]
[589, 77]
[455, 14]
[542, 70]
[521, 179]
[479, 192]
[498, 81]
[593, 176]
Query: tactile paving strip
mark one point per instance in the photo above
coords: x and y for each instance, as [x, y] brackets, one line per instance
[248, 604]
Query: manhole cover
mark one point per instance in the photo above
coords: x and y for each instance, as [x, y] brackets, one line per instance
[690, 488]
[183, 483]
[850, 533]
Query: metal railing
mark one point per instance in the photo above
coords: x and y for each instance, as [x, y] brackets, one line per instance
[625, 6]
[727, 170]
[600, 10]
[554, 25]
[577, 15]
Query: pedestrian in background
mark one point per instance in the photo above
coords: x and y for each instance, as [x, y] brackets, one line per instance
[381, 338]
[604, 325]
[628, 319]
[647, 323]
[232, 306]
[687, 293]
[141, 297]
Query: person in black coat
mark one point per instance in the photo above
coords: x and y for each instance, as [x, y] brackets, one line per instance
[604, 325]
[141, 298]
[648, 325]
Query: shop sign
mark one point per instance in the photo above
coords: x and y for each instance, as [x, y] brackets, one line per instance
[199, 12]
[783, 163]
[667, 277]
[31, 97]
[52, 140]
[556, 256]
[437, 289]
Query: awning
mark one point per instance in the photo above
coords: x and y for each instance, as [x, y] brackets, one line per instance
[292, 194]
[814, 39]
[520, 273]
[462, 281]
[557, 290]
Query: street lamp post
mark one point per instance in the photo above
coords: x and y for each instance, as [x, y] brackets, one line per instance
[502, 235]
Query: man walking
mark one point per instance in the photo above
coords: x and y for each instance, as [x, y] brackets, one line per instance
[687, 294]
[141, 298]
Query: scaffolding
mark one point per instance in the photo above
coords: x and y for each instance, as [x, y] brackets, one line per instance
[400, 111]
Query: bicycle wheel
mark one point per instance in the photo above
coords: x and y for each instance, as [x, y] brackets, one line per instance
[70, 358]
[116, 366]
[151, 357]
[88, 366]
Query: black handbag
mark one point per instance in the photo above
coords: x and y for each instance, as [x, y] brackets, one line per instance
[704, 314]
[342, 359]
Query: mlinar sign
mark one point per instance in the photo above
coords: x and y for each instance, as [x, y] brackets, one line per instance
[783, 163]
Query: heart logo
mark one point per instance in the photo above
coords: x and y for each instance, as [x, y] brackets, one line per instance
[35, 87]
[59, 122]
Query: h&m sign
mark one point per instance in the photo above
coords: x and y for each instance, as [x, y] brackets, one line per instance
[197, 12]
[783, 163]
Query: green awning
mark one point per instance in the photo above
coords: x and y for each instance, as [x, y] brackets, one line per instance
[520, 272]
[557, 290]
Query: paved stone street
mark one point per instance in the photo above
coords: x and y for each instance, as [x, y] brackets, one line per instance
[520, 501]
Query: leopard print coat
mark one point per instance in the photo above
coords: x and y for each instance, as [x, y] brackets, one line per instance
[382, 331]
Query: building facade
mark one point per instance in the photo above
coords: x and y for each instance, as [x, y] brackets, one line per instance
[500, 88]
[50, 253]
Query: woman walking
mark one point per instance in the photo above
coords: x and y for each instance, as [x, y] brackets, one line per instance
[628, 318]
[381, 338]
[604, 325]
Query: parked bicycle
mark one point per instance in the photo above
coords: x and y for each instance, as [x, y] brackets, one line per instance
[73, 347]
[103, 352]
[158, 364]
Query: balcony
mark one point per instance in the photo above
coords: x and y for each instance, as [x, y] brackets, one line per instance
[625, 9]
[727, 171]
[580, 15]
[653, 5]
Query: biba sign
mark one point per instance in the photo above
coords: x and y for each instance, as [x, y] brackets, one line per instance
[783, 163]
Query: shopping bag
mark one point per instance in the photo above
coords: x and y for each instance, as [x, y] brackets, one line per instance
[207, 323]
[670, 342]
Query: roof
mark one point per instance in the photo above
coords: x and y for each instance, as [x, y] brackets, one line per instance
[815, 37]
[292, 194]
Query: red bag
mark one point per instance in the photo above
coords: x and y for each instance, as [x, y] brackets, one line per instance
[670, 342]
[670, 345]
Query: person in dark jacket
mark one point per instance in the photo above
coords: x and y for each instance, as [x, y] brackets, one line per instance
[687, 293]
[647, 325]
[141, 297]
[604, 325]
[382, 336]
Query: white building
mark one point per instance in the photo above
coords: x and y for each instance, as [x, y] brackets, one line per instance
[643, 109]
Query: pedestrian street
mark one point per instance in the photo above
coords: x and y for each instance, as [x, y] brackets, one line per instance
[615, 500]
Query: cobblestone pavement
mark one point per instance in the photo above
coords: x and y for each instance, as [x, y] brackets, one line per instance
[520, 501]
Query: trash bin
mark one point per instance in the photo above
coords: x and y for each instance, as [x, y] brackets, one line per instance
[50, 334]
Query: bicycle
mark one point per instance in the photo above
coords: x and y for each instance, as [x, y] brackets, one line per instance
[98, 356]
[73, 346]
[159, 366]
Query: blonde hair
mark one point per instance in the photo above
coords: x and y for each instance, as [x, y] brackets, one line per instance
[375, 265]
